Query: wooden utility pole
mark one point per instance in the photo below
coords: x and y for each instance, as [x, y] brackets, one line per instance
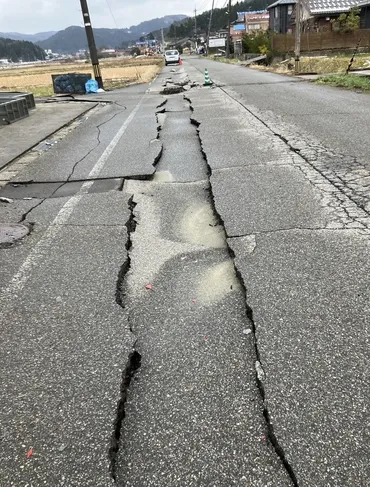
[210, 24]
[228, 30]
[163, 46]
[91, 43]
[297, 49]
[196, 30]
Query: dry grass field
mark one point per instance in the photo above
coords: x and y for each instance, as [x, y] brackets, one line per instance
[319, 64]
[117, 73]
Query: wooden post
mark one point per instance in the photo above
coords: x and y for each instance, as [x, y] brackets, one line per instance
[91, 43]
[297, 49]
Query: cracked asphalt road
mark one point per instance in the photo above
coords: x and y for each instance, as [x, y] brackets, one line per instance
[191, 304]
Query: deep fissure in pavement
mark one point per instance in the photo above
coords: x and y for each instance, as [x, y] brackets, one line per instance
[134, 359]
[133, 365]
[123, 435]
[131, 227]
[249, 314]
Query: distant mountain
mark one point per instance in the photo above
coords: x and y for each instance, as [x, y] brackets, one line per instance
[20, 50]
[73, 38]
[41, 36]
[155, 24]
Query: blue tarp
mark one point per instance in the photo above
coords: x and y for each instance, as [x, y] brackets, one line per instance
[91, 86]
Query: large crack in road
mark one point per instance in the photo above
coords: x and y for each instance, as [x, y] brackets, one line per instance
[301, 243]
[194, 413]
[218, 293]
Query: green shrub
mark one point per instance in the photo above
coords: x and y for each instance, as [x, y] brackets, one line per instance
[257, 42]
[347, 22]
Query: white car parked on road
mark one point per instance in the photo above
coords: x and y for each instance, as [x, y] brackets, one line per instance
[172, 57]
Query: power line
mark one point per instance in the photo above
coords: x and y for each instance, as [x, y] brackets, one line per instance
[113, 17]
[203, 4]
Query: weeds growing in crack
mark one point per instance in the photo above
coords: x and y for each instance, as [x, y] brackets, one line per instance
[249, 316]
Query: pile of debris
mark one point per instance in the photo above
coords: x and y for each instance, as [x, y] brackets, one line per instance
[172, 87]
[15, 106]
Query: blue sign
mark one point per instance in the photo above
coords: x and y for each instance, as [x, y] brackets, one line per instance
[239, 27]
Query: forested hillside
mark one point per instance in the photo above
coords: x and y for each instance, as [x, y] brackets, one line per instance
[20, 50]
[219, 19]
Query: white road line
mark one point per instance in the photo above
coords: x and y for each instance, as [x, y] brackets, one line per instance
[38, 253]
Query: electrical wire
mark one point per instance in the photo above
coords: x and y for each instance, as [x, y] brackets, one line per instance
[111, 12]
[203, 5]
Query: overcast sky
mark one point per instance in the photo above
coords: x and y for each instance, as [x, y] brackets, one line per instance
[31, 16]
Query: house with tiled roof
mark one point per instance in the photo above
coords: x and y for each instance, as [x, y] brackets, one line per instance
[316, 14]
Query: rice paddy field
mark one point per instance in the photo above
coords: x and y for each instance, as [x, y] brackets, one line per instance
[117, 73]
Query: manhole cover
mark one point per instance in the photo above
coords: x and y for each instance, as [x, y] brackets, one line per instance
[11, 232]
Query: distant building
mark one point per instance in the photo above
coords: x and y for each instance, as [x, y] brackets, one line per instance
[108, 51]
[317, 15]
[258, 20]
[248, 22]
[4, 61]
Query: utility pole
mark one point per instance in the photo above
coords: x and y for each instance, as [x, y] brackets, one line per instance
[210, 24]
[163, 46]
[228, 31]
[196, 30]
[91, 43]
[297, 49]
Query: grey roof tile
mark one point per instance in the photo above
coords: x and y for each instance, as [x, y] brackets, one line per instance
[324, 6]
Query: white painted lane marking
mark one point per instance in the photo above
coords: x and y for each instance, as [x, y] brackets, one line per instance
[38, 253]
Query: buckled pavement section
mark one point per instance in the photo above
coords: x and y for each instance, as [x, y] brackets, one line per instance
[193, 415]
[65, 339]
[302, 249]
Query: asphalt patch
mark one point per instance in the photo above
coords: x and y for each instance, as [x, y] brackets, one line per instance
[12, 232]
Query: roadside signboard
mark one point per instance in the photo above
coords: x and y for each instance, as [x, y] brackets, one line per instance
[217, 42]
